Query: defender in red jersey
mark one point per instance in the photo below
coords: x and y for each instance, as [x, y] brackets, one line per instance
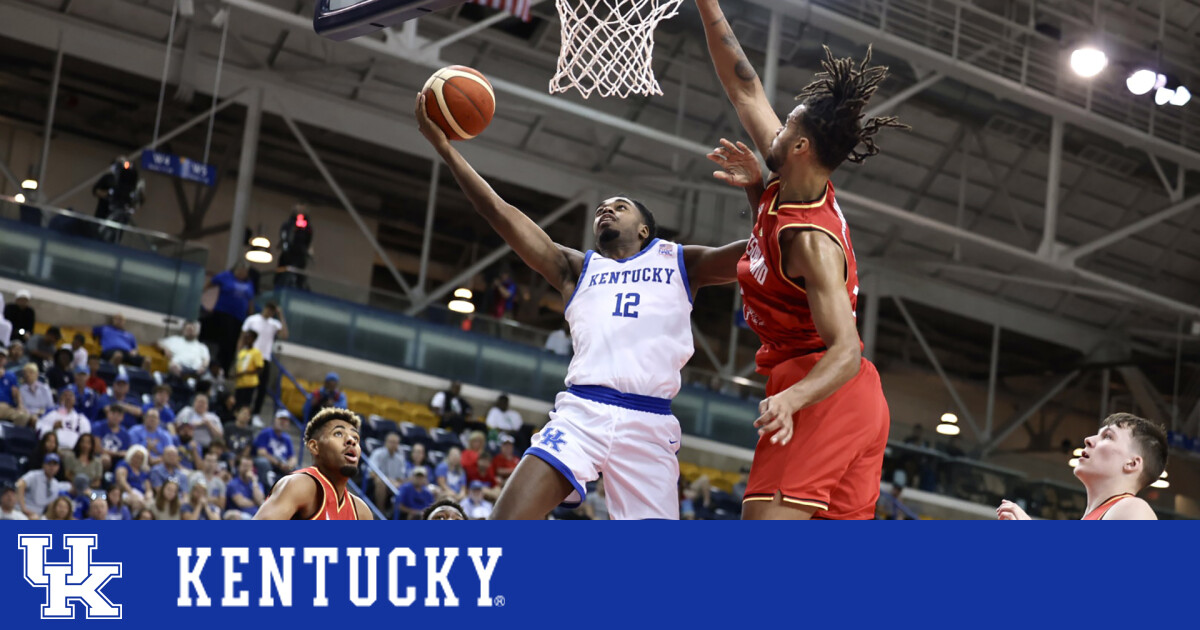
[1128, 454]
[824, 424]
[318, 493]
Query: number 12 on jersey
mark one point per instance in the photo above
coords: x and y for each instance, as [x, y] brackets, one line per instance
[631, 301]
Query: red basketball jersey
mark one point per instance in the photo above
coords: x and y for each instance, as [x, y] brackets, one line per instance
[1102, 509]
[775, 306]
[331, 509]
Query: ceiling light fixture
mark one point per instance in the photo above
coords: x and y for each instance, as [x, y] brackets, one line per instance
[1088, 61]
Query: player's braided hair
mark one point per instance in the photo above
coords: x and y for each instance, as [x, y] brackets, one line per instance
[833, 105]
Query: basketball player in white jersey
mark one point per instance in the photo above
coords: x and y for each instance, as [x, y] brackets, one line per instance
[629, 306]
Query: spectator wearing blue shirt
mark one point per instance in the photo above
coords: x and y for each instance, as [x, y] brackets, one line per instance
[10, 408]
[450, 475]
[244, 494]
[273, 446]
[169, 470]
[114, 440]
[114, 338]
[80, 495]
[414, 496]
[132, 474]
[151, 435]
[132, 405]
[233, 305]
[328, 396]
[117, 510]
[162, 403]
[87, 401]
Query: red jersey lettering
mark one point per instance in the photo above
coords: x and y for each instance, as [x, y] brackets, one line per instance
[776, 306]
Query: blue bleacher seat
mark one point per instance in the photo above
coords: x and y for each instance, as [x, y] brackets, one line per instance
[442, 440]
[107, 371]
[19, 441]
[141, 382]
[413, 433]
[435, 458]
[9, 471]
[370, 444]
[379, 427]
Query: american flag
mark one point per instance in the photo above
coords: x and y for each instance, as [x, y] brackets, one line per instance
[519, 8]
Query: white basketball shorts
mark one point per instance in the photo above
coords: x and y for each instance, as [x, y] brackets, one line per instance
[633, 440]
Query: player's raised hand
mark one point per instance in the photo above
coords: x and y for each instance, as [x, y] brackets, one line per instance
[776, 417]
[1009, 511]
[429, 129]
[739, 166]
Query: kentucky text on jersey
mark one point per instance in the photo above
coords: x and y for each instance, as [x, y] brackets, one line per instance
[342, 566]
[661, 275]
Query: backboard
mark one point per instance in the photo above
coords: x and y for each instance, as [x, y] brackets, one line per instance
[346, 19]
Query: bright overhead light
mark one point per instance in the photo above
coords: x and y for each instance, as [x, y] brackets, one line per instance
[1163, 476]
[1142, 81]
[19, 197]
[260, 256]
[948, 429]
[949, 418]
[29, 184]
[1087, 62]
[260, 241]
[1077, 452]
[463, 293]
[1073, 462]
[461, 306]
[1161, 484]
[1163, 96]
[1181, 97]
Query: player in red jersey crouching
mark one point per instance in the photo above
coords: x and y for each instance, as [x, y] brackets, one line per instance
[319, 491]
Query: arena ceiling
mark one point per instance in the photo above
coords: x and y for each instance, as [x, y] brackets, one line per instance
[950, 217]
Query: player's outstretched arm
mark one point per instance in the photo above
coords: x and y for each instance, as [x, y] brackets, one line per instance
[820, 261]
[707, 266]
[1131, 509]
[560, 266]
[292, 494]
[739, 168]
[741, 82]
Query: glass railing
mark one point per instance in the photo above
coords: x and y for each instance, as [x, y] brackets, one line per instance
[72, 252]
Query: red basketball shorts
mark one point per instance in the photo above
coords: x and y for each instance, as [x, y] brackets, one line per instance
[835, 457]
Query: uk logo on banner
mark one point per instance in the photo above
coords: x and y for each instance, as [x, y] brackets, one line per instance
[77, 581]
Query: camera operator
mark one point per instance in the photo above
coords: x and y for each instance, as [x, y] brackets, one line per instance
[295, 243]
[118, 194]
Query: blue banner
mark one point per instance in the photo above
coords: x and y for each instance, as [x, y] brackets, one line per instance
[181, 167]
[598, 575]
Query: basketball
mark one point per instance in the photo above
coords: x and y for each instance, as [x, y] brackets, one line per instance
[460, 100]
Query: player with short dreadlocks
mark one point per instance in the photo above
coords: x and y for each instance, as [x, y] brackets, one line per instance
[824, 424]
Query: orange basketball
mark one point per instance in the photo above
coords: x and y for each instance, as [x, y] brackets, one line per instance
[460, 101]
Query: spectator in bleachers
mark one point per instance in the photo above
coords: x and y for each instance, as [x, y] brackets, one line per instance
[114, 339]
[79, 353]
[41, 348]
[476, 505]
[483, 470]
[504, 461]
[476, 445]
[501, 418]
[206, 426]
[64, 421]
[187, 356]
[233, 305]
[80, 494]
[38, 487]
[504, 294]
[166, 503]
[17, 359]
[328, 396]
[274, 445]
[8, 505]
[21, 315]
[47, 444]
[10, 396]
[95, 382]
[414, 496]
[450, 476]
[132, 474]
[114, 439]
[452, 408]
[390, 462]
[117, 510]
[151, 435]
[6, 327]
[209, 476]
[244, 493]
[129, 403]
[162, 403]
[60, 509]
[190, 453]
[559, 342]
[239, 435]
[199, 506]
[98, 510]
[60, 373]
[169, 470]
[87, 401]
[83, 459]
[417, 456]
[36, 397]
[224, 404]
[144, 515]
[248, 369]
[270, 326]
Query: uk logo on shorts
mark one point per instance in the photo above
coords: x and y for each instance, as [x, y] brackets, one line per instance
[77, 581]
[553, 438]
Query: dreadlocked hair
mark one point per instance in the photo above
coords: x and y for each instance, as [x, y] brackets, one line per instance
[833, 105]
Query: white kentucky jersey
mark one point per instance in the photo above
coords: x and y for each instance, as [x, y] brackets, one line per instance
[631, 321]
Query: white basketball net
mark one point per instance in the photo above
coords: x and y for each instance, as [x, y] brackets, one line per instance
[607, 46]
